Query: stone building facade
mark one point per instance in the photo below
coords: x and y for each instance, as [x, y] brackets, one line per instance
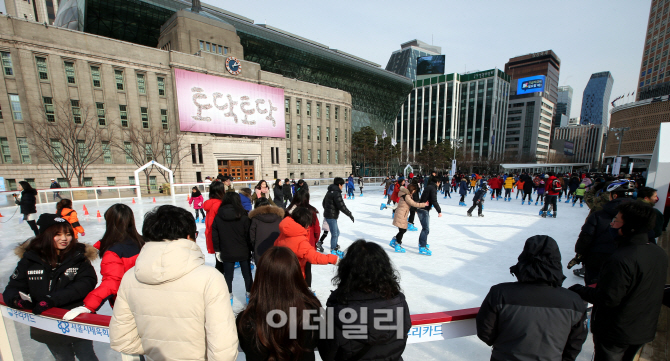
[126, 83]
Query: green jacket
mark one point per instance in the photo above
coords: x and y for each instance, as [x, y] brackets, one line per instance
[581, 190]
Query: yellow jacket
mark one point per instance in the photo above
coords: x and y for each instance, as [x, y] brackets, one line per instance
[509, 183]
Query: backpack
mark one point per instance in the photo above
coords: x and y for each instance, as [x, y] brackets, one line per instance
[556, 185]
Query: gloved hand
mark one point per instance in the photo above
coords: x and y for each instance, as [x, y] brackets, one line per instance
[73, 313]
[42, 305]
[218, 256]
[352, 219]
[576, 288]
[20, 303]
[83, 233]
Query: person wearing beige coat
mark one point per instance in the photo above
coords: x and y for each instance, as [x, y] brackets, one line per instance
[171, 306]
[401, 212]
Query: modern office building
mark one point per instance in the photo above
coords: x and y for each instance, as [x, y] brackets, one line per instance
[562, 107]
[471, 107]
[596, 99]
[637, 144]
[403, 61]
[41, 11]
[528, 131]
[376, 93]
[263, 125]
[545, 63]
[654, 80]
[587, 142]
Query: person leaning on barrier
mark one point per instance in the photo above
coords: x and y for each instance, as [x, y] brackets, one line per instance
[627, 299]
[514, 316]
[171, 306]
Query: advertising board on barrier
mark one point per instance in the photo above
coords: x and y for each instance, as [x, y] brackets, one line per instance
[214, 104]
[78, 330]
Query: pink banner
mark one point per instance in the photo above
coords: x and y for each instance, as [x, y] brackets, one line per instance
[213, 104]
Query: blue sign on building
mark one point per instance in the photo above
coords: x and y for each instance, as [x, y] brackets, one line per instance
[532, 84]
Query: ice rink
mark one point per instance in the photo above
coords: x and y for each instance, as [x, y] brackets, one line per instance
[470, 254]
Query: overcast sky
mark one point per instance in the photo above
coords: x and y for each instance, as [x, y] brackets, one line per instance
[589, 36]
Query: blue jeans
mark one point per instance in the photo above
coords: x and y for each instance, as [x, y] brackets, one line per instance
[424, 218]
[334, 232]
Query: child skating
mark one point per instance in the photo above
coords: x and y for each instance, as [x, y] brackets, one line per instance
[197, 202]
[478, 201]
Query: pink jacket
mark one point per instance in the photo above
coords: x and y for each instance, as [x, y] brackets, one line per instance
[197, 202]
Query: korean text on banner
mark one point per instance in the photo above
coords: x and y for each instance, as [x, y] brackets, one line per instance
[214, 104]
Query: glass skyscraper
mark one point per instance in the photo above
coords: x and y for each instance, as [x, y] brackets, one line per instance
[563, 105]
[403, 61]
[596, 98]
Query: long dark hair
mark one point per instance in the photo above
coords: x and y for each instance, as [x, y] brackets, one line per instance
[233, 199]
[366, 268]
[301, 199]
[277, 185]
[258, 185]
[43, 244]
[217, 190]
[27, 187]
[279, 285]
[120, 228]
[63, 203]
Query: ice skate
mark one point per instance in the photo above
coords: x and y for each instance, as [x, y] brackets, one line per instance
[425, 251]
[412, 228]
[469, 214]
[248, 298]
[203, 220]
[231, 299]
[523, 202]
[382, 207]
[480, 215]
[543, 214]
[399, 249]
[573, 204]
[393, 243]
[197, 219]
[319, 246]
[542, 203]
[237, 264]
[554, 215]
[529, 203]
[336, 251]
[581, 205]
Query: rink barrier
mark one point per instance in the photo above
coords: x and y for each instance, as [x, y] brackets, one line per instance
[426, 327]
[75, 193]
[311, 182]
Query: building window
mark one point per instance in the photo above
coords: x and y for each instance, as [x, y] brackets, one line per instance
[309, 156]
[152, 183]
[337, 134]
[128, 149]
[95, 74]
[299, 156]
[49, 109]
[123, 112]
[318, 110]
[42, 69]
[297, 107]
[83, 152]
[193, 154]
[287, 106]
[168, 153]
[200, 153]
[161, 86]
[337, 157]
[16, 107]
[148, 152]
[131, 180]
[327, 111]
[318, 132]
[7, 63]
[76, 111]
[69, 72]
[288, 130]
[106, 153]
[272, 155]
[164, 119]
[141, 85]
[144, 115]
[309, 109]
[345, 115]
[111, 181]
[4, 151]
[345, 136]
[309, 132]
[277, 154]
[118, 76]
[288, 155]
[225, 50]
[318, 156]
[337, 111]
[202, 45]
[327, 134]
[327, 156]
[88, 182]
[24, 152]
[298, 131]
[345, 157]
[11, 184]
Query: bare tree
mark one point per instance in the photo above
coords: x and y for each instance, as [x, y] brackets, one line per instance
[70, 136]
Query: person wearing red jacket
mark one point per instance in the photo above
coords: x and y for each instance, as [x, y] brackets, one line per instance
[211, 206]
[293, 235]
[301, 199]
[118, 248]
[552, 190]
[496, 186]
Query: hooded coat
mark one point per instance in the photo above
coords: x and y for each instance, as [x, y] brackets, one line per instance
[27, 201]
[527, 184]
[463, 187]
[230, 235]
[67, 285]
[264, 228]
[509, 183]
[514, 314]
[405, 201]
[278, 193]
[172, 305]
[211, 208]
[294, 236]
[333, 203]
[627, 299]
[70, 215]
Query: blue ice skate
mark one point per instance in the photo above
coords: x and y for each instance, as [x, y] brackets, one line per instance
[197, 219]
[541, 212]
[522, 202]
[247, 298]
[542, 203]
[337, 252]
[381, 208]
[393, 243]
[530, 203]
[535, 202]
[573, 203]
[517, 196]
[385, 196]
[399, 249]
[425, 251]
[581, 205]
[412, 228]
[237, 264]
[203, 220]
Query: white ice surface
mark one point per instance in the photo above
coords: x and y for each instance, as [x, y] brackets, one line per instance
[470, 254]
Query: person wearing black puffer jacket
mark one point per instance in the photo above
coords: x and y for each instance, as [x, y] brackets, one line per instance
[595, 242]
[231, 240]
[333, 204]
[288, 193]
[429, 195]
[367, 283]
[514, 315]
[27, 203]
[627, 299]
[55, 271]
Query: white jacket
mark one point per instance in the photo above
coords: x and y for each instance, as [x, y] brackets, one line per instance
[171, 306]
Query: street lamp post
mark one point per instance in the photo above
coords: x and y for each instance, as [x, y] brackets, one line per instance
[455, 143]
[619, 132]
